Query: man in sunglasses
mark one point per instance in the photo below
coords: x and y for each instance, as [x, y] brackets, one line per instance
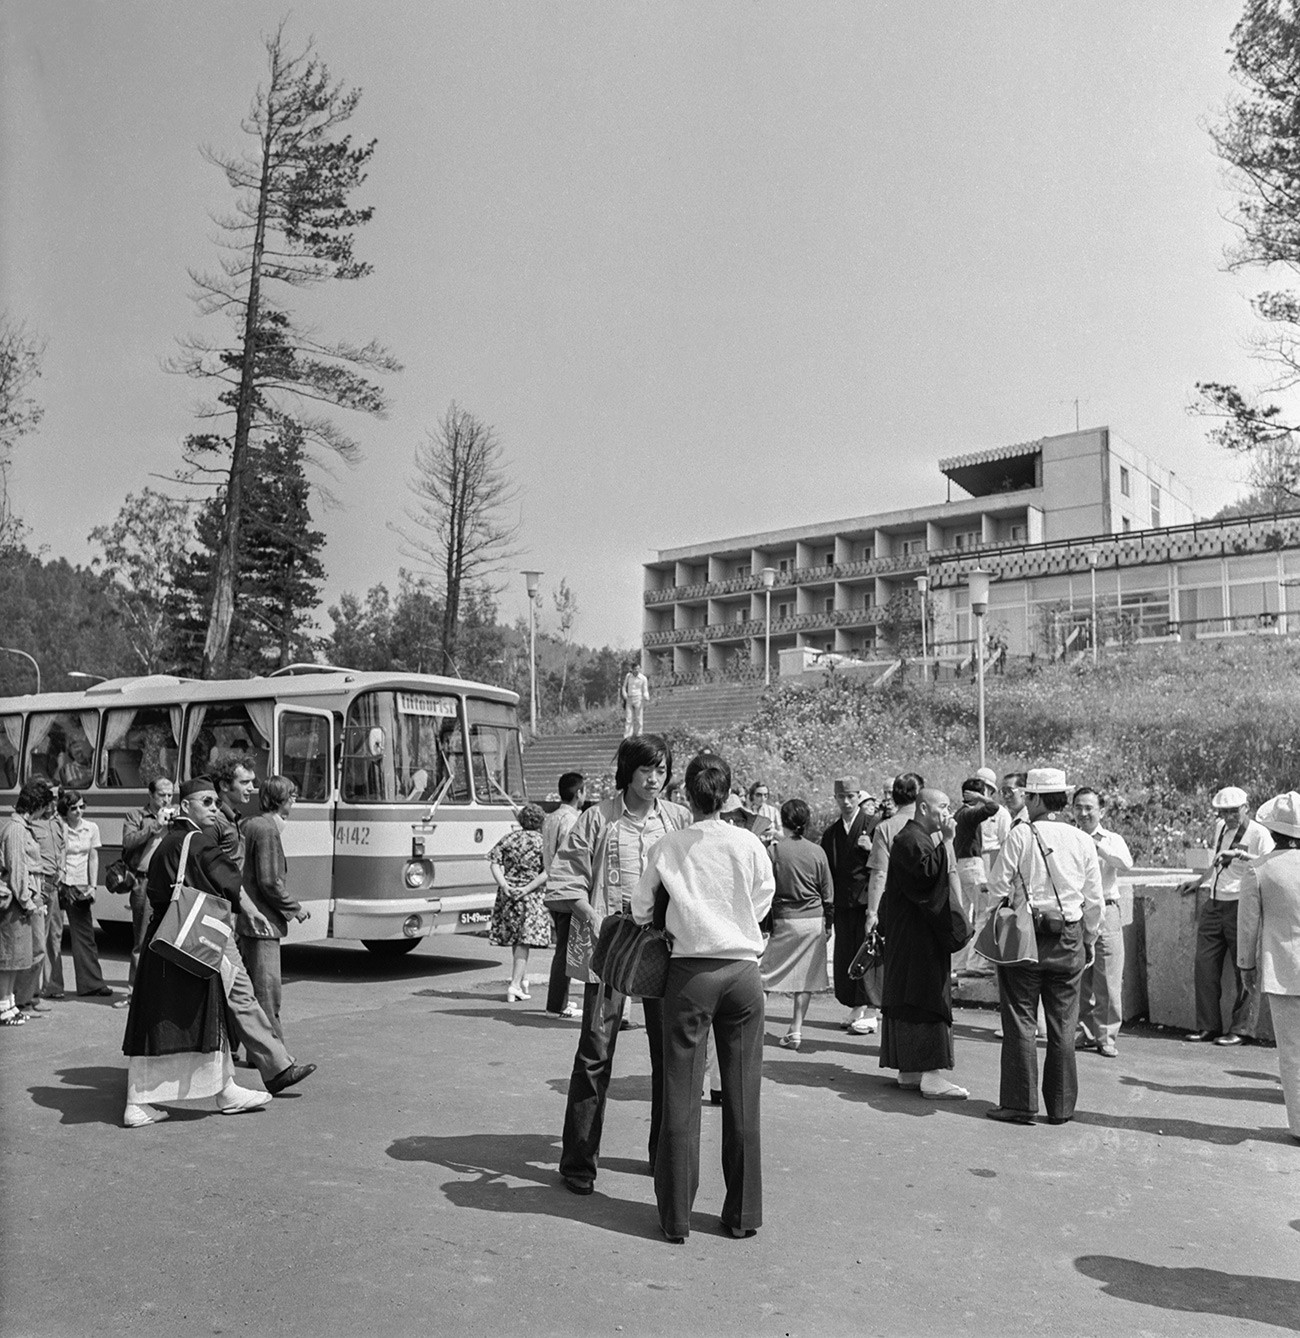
[178, 1032]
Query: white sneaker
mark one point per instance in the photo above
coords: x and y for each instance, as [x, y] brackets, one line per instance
[235, 1100]
[137, 1117]
[863, 1026]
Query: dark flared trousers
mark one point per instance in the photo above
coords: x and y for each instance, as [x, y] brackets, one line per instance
[85, 952]
[1056, 978]
[557, 984]
[850, 930]
[584, 1113]
[727, 996]
[1216, 939]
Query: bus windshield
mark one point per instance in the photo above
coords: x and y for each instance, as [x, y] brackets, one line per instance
[498, 760]
[404, 748]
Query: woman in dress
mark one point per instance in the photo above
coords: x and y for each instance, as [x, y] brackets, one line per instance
[20, 895]
[1268, 938]
[77, 884]
[718, 883]
[794, 961]
[519, 917]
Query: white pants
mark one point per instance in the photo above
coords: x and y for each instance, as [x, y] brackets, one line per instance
[634, 718]
[1286, 1028]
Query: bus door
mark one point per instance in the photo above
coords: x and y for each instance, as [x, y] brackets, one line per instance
[304, 752]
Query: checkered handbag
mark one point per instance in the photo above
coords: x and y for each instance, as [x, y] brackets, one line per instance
[632, 959]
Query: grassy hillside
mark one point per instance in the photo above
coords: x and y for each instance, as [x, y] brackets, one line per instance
[1156, 729]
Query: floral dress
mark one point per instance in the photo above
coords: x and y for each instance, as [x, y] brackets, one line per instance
[519, 919]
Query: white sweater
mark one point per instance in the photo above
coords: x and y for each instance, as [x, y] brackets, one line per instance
[720, 885]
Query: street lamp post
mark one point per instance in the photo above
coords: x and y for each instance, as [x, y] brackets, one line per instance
[769, 580]
[977, 582]
[531, 580]
[1094, 556]
[923, 586]
[13, 650]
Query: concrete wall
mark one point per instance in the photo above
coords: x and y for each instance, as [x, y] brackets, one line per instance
[1073, 497]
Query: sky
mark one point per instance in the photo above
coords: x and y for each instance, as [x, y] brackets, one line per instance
[707, 268]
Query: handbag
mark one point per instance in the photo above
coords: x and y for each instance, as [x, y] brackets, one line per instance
[1007, 937]
[195, 927]
[632, 959]
[118, 878]
[871, 953]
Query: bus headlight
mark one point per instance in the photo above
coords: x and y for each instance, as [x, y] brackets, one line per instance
[413, 927]
[418, 873]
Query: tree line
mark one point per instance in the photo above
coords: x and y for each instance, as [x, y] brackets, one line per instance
[219, 573]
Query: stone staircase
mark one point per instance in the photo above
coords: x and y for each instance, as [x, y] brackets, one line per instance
[701, 709]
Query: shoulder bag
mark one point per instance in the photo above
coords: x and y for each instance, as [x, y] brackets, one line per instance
[195, 927]
[1007, 937]
[633, 959]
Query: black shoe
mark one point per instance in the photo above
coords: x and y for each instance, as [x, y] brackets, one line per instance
[1059, 1119]
[1200, 1036]
[673, 1240]
[715, 1096]
[1004, 1115]
[577, 1186]
[295, 1073]
[628, 1024]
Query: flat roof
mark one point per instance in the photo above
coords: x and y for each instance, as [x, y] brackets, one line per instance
[1001, 469]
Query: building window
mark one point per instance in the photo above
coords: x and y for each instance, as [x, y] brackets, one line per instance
[1017, 533]
[1155, 505]
[783, 565]
[868, 552]
[784, 610]
[742, 615]
[743, 569]
[910, 546]
[1123, 481]
[1126, 523]
[830, 558]
[869, 600]
[829, 605]
[968, 539]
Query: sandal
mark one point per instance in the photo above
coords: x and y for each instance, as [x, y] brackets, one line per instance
[791, 1040]
[13, 1018]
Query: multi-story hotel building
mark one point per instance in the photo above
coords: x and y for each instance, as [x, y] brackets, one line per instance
[1050, 520]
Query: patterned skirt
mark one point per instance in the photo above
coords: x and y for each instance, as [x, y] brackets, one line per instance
[520, 921]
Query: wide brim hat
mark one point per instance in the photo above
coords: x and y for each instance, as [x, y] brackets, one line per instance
[1281, 814]
[1046, 780]
[1231, 796]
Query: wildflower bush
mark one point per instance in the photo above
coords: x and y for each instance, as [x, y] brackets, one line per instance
[1156, 729]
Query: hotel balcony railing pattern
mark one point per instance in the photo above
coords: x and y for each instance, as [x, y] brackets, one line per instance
[950, 566]
[757, 627]
[901, 563]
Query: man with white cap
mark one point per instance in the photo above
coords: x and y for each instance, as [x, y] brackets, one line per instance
[1238, 838]
[1055, 866]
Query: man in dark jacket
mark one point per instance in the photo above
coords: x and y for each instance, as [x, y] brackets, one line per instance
[176, 1013]
[923, 932]
[847, 843]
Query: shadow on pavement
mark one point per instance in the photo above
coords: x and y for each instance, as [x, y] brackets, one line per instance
[331, 961]
[497, 1161]
[1198, 1291]
[94, 1095]
[1271, 1095]
[502, 1012]
[1220, 1135]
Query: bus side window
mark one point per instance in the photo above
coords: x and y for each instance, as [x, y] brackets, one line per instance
[61, 747]
[305, 754]
[11, 738]
[216, 731]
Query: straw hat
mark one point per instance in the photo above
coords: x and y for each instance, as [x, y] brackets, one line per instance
[1281, 814]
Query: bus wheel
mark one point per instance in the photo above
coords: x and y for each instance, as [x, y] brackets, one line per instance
[391, 947]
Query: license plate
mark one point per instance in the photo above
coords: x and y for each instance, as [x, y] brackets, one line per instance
[475, 917]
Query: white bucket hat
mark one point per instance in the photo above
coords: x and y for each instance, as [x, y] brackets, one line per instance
[1230, 796]
[1281, 814]
[1046, 780]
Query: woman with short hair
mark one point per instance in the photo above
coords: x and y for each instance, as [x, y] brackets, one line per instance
[716, 883]
[794, 961]
[20, 897]
[519, 918]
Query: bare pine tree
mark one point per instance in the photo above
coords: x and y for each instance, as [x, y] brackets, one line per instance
[460, 527]
[292, 226]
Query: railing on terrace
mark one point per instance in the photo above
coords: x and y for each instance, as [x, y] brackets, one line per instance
[948, 566]
[757, 627]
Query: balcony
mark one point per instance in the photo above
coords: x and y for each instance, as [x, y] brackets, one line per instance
[900, 564]
[757, 627]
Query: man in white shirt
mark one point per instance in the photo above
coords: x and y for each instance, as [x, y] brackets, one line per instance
[636, 697]
[555, 828]
[1102, 1010]
[1056, 866]
[1238, 839]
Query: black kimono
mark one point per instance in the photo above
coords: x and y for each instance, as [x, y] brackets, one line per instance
[923, 933]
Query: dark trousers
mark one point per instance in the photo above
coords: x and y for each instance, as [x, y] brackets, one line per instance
[850, 930]
[557, 986]
[1055, 978]
[727, 996]
[1216, 938]
[139, 923]
[85, 954]
[262, 961]
[53, 988]
[584, 1113]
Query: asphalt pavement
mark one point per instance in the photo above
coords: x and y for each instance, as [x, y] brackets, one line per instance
[409, 1186]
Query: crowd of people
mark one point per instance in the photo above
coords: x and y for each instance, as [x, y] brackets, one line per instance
[183, 1030]
[904, 883]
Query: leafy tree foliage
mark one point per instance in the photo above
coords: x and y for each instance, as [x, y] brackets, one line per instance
[1259, 139]
[279, 571]
[292, 227]
[459, 528]
[20, 365]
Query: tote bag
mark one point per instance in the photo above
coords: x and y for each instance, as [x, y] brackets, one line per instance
[195, 927]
